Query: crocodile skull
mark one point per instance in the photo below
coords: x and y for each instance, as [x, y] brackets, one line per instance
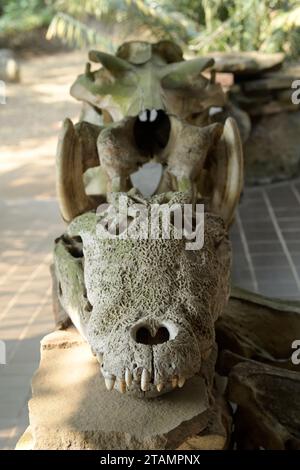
[147, 307]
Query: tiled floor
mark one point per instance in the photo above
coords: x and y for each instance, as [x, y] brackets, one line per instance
[29, 221]
[266, 241]
[25, 304]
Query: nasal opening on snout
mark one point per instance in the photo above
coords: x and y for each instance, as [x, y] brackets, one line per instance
[144, 334]
[152, 131]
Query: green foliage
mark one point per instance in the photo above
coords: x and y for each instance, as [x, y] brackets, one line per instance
[203, 25]
[24, 15]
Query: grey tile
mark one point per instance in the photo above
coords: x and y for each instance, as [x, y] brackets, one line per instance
[282, 195]
[287, 211]
[258, 226]
[259, 247]
[9, 410]
[255, 236]
[254, 214]
[269, 260]
[263, 274]
[237, 247]
[235, 237]
[239, 260]
[248, 285]
[278, 289]
[254, 205]
[291, 235]
[289, 224]
[242, 272]
[293, 246]
[296, 259]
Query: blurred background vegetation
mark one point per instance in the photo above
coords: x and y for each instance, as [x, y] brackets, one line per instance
[197, 25]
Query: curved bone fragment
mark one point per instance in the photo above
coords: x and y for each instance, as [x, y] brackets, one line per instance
[70, 167]
[227, 172]
[113, 64]
[180, 74]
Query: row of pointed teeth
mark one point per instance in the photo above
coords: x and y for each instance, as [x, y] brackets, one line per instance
[148, 115]
[126, 382]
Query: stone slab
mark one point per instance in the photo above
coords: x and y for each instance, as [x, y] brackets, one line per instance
[242, 63]
[71, 408]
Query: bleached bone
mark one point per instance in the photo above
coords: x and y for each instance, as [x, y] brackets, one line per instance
[113, 64]
[227, 172]
[76, 152]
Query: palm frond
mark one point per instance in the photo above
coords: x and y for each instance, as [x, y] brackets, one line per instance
[76, 33]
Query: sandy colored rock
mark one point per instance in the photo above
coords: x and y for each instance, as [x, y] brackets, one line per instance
[246, 62]
[217, 434]
[273, 107]
[268, 406]
[255, 327]
[272, 151]
[273, 81]
[71, 409]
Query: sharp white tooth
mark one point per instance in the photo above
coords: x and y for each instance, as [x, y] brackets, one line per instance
[153, 115]
[181, 382]
[145, 379]
[143, 116]
[159, 387]
[128, 377]
[122, 386]
[109, 382]
[174, 381]
[99, 357]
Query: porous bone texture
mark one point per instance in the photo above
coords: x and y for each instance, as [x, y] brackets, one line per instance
[154, 284]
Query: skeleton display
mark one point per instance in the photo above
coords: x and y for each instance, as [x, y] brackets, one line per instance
[150, 302]
[147, 307]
